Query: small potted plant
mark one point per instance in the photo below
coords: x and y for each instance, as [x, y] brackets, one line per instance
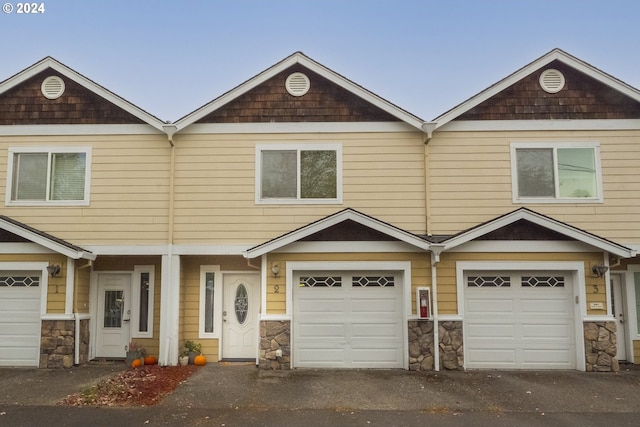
[192, 349]
[183, 358]
[134, 351]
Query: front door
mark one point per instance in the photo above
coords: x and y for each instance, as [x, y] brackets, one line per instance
[240, 309]
[114, 313]
[618, 312]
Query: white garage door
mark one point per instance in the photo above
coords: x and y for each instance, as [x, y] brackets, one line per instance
[347, 320]
[19, 318]
[519, 321]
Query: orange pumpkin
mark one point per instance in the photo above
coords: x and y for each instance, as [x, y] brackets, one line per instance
[150, 360]
[200, 360]
[136, 363]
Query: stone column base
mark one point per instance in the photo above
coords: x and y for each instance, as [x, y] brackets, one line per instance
[600, 347]
[275, 344]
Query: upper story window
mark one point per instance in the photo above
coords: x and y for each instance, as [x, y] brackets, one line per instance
[556, 173]
[299, 173]
[48, 176]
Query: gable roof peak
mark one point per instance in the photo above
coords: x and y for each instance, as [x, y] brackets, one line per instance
[49, 62]
[298, 57]
[555, 54]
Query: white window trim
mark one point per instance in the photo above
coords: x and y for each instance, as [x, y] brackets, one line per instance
[48, 150]
[217, 301]
[300, 147]
[555, 145]
[135, 301]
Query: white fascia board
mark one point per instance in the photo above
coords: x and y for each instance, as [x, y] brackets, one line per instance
[539, 125]
[47, 243]
[329, 221]
[99, 129]
[303, 127]
[179, 249]
[545, 222]
[128, 249]
[299, 58]
[555, 54]
[49, 62]
[522, 246]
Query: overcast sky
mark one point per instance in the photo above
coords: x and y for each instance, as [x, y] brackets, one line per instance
[169, 57]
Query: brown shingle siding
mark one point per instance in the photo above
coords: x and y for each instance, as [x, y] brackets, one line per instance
[25, 105]
[581, 98]
[270, 102]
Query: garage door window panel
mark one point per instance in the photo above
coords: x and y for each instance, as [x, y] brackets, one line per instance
[321, 282]
[489, 281]
[18, 281]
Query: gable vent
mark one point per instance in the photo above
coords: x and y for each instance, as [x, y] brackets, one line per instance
[52, 87]
[297, 84]
[552, 81]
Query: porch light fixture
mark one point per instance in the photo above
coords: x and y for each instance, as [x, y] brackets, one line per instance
[275, 269]
[53, 270]
[599, 270]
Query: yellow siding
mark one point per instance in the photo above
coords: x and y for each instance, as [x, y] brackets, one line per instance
[636, 352]
[447, 287]
[129, 190]
[420, 272]
[82, 287]
[383, 176]
[470, 182]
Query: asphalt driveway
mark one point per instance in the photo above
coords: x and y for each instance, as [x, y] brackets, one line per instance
[217, 395]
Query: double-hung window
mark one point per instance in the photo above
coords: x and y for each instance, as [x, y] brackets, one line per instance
[556, 173]
[289, 173]
[48, 176]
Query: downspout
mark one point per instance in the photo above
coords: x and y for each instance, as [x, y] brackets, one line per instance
[436, 250]
[428, 129]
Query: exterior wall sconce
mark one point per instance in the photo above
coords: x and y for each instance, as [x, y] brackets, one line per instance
[275, 269]
[599, 270]
[53, 270]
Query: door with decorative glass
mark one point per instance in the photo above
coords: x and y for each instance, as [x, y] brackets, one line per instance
[240, 316]
[114, 314]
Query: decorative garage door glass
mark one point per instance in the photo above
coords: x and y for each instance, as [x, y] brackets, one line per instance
[321, 281]
[241, 303]
[16, 281]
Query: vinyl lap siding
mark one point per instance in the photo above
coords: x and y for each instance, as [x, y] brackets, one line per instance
[129, 191]
[470, 182]
[383, 176]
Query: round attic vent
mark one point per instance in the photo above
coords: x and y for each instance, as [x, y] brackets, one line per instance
[52, 87]
[297, 84]
[552, 81]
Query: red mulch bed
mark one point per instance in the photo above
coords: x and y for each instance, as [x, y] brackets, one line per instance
[143, 386]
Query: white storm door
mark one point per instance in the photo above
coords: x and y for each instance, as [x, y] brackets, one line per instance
[619, 315]
[114, 314]
[241, 305]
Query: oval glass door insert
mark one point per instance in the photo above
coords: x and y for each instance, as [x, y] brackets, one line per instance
[241, 303]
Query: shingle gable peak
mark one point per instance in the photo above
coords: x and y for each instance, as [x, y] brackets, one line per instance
[299, 58]
[554, 55]
[48, 62]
